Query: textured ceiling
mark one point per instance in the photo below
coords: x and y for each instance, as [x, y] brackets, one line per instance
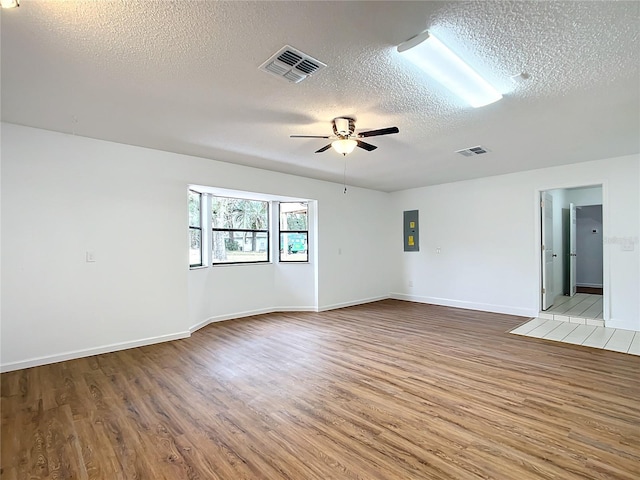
[183, 76]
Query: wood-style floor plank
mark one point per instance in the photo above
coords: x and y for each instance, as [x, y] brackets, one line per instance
[386, 390]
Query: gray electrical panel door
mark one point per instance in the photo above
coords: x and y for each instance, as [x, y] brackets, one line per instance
[411, 232]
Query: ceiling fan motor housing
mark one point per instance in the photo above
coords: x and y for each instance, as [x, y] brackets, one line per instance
[344, 127]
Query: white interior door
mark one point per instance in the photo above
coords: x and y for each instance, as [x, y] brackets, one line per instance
[546, 214]
[572, 250]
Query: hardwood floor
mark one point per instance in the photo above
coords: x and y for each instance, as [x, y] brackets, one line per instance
[389, 390]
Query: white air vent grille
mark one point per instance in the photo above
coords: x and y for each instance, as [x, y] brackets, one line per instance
[308, 67]
[289, 57]
[470, 152]
[294, 77]
[277, 68]
[291, 64]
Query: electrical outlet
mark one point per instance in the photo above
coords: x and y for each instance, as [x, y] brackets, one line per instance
[410, 283]
[438, 250]
[91, 256]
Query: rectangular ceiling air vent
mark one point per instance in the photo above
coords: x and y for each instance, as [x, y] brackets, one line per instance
[292, 65]
[470, 152]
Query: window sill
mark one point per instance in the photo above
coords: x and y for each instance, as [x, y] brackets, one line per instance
[240, 264]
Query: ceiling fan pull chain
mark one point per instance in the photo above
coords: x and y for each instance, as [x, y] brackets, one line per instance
[345, 177]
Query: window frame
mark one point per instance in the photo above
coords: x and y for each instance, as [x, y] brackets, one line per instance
[198, 228]
[266, 231]
[280, 232]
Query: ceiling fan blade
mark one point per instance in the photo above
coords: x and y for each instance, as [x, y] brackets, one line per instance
[309, 136]
[367, 146]
[382, 131]
[323, 149]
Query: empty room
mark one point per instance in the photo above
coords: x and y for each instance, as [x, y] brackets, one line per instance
[320, 240]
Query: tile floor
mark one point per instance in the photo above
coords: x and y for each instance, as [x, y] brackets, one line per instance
[615, 339]
[580, 305]
[582, 308]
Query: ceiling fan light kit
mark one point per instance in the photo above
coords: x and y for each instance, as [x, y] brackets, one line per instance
[9, 3]
[344, 146]
[444, 66]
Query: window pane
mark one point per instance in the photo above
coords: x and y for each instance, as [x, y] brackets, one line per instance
[221, 209]
[233, 246]
[237, 213]
[194, 209]
[293, 216]
[195, 243]
[250, 215]
[293, 247]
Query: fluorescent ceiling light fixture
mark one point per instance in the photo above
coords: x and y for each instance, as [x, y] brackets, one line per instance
[344, 146]
[432, 56]
[9, 3]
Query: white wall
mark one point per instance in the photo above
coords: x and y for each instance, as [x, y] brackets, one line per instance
[488, 231]
[63, 195]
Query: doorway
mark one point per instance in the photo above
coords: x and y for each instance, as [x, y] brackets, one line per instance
[589, 242]
[571, 254]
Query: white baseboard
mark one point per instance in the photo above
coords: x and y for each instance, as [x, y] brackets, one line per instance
[590, 285]
[34, 362]
[296, 309]
[249, 313]
[362, 301]
[114, 347]
[229, 316]
[484, 307]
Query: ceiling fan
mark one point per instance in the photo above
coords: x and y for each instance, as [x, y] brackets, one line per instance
[346, 139]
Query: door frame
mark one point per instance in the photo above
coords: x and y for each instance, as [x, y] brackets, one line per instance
[538, 254]
[548, 276]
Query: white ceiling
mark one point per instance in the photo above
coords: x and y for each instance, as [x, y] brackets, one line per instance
[183, 76]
